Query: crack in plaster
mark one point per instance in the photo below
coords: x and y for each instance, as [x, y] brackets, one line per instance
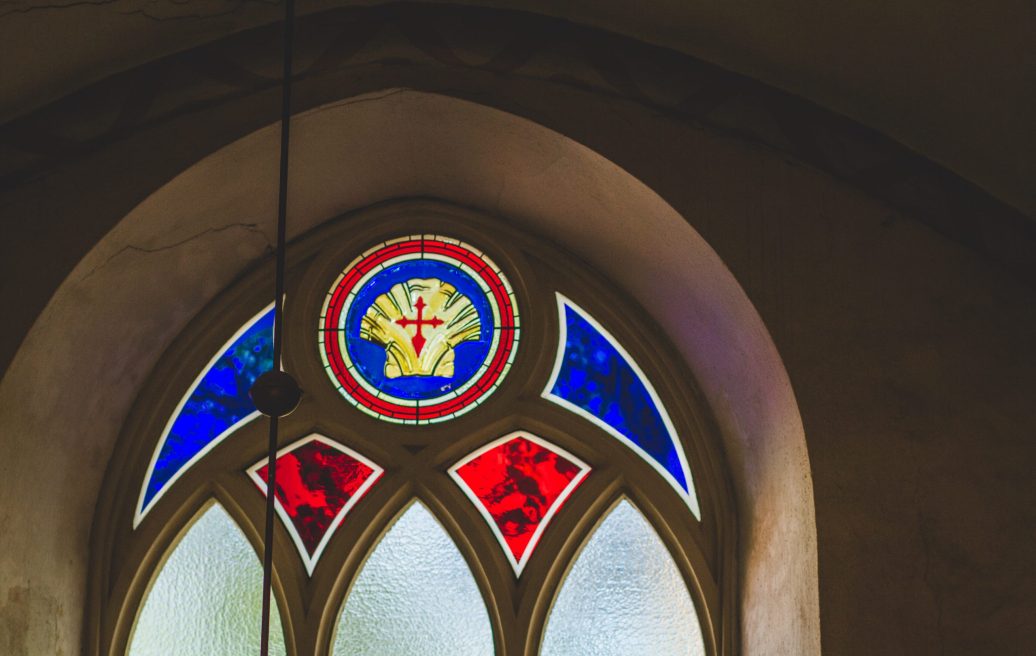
[150, 11]
[131, 248]
[359, 100]
[152, 15]
[78, 3]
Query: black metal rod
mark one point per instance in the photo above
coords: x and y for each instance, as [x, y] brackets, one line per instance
[278, 319]
[271, 474]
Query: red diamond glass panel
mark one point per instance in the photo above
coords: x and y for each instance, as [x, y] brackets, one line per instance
[518, 483]
[318, 482]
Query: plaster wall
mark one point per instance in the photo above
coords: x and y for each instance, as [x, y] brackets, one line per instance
[917, 70]
[177, 249]
[909, 355]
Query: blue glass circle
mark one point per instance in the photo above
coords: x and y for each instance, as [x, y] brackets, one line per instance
[369, 358]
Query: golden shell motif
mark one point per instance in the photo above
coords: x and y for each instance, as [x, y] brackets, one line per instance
[420, 322]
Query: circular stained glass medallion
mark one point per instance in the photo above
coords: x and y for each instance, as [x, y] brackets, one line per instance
[419, 329]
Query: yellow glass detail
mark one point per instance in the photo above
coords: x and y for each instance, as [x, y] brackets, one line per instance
[420, 322]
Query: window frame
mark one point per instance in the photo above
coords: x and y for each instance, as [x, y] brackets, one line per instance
[124, 561]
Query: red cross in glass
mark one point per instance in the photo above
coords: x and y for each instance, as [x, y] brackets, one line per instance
[420, 322]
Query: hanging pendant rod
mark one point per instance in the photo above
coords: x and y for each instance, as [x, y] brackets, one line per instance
[279, 394]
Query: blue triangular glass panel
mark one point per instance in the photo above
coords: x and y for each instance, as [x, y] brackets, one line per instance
[214, 406]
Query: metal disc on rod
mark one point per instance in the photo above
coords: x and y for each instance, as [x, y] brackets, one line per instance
[275, 393]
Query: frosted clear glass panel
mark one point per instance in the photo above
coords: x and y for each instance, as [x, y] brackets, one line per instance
[623, 597]
[207, 597]
[414, 597]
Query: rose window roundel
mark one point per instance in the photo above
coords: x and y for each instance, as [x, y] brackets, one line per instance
[419, 329]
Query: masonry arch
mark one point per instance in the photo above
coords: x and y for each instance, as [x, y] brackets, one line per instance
[193, 236]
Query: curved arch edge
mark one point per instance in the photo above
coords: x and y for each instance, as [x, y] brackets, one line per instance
[145, 501]
[687, 493]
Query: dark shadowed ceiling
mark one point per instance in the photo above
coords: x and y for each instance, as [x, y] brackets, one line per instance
[953, 80]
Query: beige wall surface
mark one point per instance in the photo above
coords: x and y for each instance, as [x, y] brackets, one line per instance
[905, 355]
[921, 71]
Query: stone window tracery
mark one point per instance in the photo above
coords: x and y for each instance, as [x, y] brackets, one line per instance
[543, 449]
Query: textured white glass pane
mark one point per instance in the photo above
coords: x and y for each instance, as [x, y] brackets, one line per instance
[207, 597]
[623, 597]
[414, 597]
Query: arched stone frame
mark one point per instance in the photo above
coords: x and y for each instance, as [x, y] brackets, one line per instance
[777, 224]
[416, 457]
[546, 183]
[775, 248]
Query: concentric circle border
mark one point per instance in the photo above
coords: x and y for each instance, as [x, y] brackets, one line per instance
[359, 392]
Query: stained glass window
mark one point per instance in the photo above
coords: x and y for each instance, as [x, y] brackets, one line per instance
[518, 483]
[207, 597]
[597, 379]
[415, 596]
[419, 329]
[624, 596]
[318, 482]
[216, 404]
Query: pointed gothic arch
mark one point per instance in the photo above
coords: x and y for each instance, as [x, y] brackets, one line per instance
[582, 206]
[413, 462]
